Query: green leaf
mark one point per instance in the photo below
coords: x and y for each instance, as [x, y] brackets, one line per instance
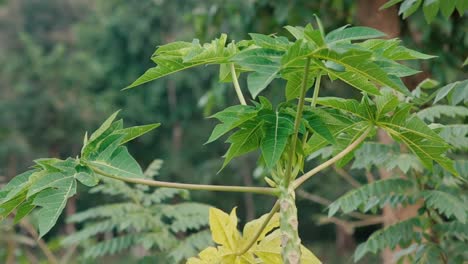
[378, 192]
[450, 88]
[455, 135]
[359, 64]
[244, 140]
[430, 8]
[356, 81]
[385, 104]
[294, 84]
[178, 56]
[389, 4]
[424, 142]
[86, 176]
[396, 234]
[53, 201]
[437, 111]
[16, 185]
[264, 62]
[11, 204]
[50, 180]
[352, 33]
[121, 163]
[447, 8]
[391, 49]
[297, 32]
[278, 128]
[447, 204]
[318, 125]
[453, 228]
[269, 42]
[231, 117]
[408, 7]
[105, 126]
[24, 209]
[257, 82]
[136, 131]
[350, 106]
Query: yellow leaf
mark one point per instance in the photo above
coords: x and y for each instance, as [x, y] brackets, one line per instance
[308, 256]
[252, 227]
[224, 228]
[269, 250]
[209, 255]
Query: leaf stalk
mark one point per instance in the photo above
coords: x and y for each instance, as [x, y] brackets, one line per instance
[188, 186]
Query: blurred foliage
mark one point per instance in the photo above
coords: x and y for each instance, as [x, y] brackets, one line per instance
[64, 62]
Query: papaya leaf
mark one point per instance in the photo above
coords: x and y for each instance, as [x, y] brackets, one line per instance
[244, 140]
[352, 33]
[231, 118]
[278, 128]
[136, 131]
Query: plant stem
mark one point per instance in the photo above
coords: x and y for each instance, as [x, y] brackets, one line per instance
[297, 122]
[236, 85]
[329, 162]
[290, 240]
[260, 230]
[187, 186]
[316, 90]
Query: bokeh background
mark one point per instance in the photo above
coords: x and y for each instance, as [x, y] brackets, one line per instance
[63, 64]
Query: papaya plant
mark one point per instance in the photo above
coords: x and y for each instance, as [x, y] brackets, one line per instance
[284, 134]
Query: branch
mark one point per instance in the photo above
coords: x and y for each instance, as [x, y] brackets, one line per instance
[42, 245]
[236, 85]
[260, 230]
[347, 177]
[187, 186]
[353, 224]
[297, 123]
[325, 202]
[329, 162]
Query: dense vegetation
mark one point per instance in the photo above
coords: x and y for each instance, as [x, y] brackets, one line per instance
[396, 154]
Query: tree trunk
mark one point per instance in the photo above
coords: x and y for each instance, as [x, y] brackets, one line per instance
[290, 241]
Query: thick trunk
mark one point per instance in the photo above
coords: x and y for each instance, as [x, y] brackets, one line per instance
[290, 241]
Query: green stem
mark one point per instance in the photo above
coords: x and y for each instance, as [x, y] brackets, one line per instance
[254, 239]
[236, 85]
[316, 90]
[187, 186]
[297, 123]
[329, 162]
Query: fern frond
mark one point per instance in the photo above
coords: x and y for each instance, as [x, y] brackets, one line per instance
[447, 204]
[405, 162]
[428, 254]
[436, 111]
[191, 245]
[153, 169]
[455, 135]
[102, 212]
[162, 194]
[365, 197]
[187, 216]
[454, 229]
[400, 233]
[111, 246]
[373, 154]
[88, 232]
